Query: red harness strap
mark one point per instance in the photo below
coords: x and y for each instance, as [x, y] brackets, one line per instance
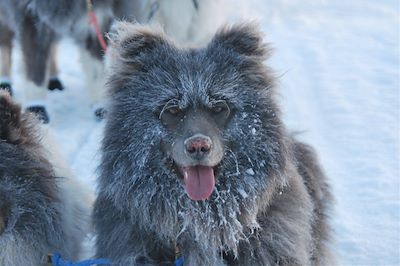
[93, 20]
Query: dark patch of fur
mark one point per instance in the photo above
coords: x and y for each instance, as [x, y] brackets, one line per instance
[4, 212]
[270, 203]
[9, 119]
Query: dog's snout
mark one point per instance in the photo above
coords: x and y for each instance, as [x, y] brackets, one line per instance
[198, 146]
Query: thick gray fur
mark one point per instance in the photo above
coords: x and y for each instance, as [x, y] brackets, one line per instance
[271, 201]
[34, 217]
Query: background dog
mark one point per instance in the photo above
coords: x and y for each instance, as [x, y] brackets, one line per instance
[42, 209]
[195, 157]
[39, 24]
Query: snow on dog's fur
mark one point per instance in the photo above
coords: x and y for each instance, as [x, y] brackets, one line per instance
[42, 208]
[195, 156]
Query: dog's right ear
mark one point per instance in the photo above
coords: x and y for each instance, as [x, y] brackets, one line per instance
[130, 42]
[245, 39]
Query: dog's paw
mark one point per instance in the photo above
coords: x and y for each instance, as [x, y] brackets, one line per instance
[40, 112]
[100, 113]
[7, 87]
[55, 84]
[9, 115]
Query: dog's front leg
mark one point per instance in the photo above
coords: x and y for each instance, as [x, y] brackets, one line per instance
[279, 242]
[195, 254]
[120, 239]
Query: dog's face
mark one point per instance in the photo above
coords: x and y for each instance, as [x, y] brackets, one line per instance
[197, 146]
[202, 119]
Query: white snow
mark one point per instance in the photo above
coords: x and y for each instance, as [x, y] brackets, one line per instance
[250, 171]
[338, 63]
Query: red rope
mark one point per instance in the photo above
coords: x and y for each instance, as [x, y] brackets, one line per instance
[93, 20]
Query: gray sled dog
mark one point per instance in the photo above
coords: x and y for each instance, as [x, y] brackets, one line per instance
[38, 25]
[42, 210]
[195, 157]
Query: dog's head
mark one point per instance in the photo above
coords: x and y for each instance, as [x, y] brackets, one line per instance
[203, 117]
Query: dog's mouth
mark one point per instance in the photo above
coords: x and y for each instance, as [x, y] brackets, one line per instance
[198, 180]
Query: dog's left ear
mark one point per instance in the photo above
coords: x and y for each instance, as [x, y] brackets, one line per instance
[245, 39]
[130, 41]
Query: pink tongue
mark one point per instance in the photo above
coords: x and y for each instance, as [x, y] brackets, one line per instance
[199, 181]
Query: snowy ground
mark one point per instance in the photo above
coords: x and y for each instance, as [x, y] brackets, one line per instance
[339, 67]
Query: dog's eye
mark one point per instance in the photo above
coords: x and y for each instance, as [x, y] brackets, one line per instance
[220, 107]
[170, 114]
[217, 109]
[220, 112]
[173, 110]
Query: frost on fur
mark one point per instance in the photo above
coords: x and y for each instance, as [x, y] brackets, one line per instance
[263, 209]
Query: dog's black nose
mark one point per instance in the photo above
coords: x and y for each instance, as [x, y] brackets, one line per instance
[198, 146]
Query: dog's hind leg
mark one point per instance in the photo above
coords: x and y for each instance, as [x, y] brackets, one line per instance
[94, 80]
[36, 40]
[54, 81]
[6, 37]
